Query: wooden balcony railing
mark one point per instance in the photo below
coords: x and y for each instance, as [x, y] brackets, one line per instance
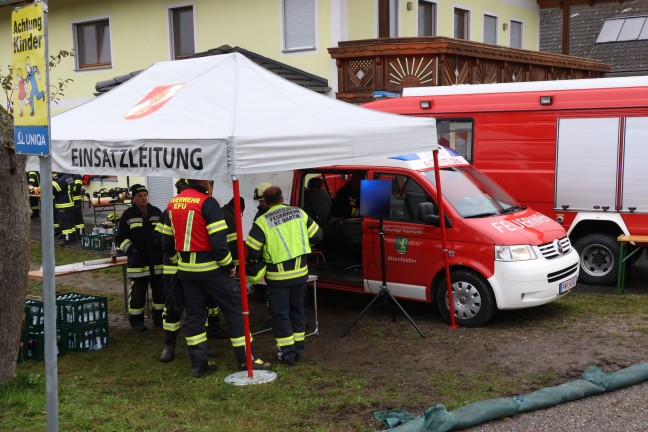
[365, 66]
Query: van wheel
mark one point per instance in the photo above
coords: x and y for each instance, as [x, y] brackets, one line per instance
[599, 259]
[473, 300]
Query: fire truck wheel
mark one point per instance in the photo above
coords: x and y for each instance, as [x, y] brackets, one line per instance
[599, 259]
[473, 299]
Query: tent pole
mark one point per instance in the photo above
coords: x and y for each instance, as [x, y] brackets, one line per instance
[242, 276]
[444, 243]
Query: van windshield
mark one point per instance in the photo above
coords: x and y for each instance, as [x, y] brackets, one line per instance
[472, 194]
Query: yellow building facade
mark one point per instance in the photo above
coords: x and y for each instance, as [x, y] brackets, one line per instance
[114, 37]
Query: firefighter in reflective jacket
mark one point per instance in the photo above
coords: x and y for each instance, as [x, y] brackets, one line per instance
[77, 210]
[205, 269]
[174, 294]
[280, 239]
[144, 266]
[63, 188]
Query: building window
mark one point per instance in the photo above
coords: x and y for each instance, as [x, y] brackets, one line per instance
[182, 32]
[299, 25]
[516, 34]
[490, 29]
[393, 18]
[92, 44]
[623, 30]
[461, 23]
[427, 18]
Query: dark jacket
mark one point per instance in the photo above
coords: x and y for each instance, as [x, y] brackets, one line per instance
[230, 219]
[135, 238]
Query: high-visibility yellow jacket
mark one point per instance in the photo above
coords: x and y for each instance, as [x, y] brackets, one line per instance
[281, 238]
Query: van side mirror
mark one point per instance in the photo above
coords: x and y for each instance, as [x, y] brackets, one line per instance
[428, 214]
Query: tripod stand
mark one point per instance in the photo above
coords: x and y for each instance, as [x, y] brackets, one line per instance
[384, 294]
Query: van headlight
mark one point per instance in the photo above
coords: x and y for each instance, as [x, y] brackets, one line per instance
[514, 253]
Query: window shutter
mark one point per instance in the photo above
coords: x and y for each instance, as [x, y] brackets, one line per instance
[393, 18]
[516, 34]
[160, 191]
[299, 24]
[490, 29]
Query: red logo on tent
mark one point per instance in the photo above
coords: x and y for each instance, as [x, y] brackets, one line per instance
[153, 101]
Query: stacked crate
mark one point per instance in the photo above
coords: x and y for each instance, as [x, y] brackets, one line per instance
[85, 320]
[81, 325]
[32, 337]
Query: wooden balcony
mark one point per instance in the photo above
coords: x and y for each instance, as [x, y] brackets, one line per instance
[365, 66]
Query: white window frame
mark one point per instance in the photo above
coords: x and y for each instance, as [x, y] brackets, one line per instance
[521, 22]
[435, 18]
[169, 11]
[287, 50]
[490, 15]
[468, 19]
[75, 42]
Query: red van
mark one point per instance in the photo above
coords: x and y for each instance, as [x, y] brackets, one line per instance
[503, 255]
[575, 150]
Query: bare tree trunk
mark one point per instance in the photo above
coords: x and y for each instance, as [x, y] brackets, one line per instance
[14, 238]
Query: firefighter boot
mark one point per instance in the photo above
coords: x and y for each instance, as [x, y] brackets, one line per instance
[157, 317]
[299, 351]
[257, 363]
[287, 355]
[214, 329]
[137, 322]
[168, 353]
[199, 364]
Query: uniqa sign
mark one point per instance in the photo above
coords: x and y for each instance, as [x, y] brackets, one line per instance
[30, 79]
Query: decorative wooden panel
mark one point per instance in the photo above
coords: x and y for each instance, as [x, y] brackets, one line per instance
[486, 72]
[456, 71]
[537, 73]
[512, 72]
[360, 74]
[410, 71]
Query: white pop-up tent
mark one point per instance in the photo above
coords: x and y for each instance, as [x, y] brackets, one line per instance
[221, 117]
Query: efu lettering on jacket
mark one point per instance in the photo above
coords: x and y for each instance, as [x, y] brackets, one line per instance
[521, 223]
[181, 202]
[283, 215]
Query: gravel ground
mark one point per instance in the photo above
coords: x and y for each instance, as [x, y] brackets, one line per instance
[621, 410]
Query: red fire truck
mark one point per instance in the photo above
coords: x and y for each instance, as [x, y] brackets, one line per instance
[575, 150]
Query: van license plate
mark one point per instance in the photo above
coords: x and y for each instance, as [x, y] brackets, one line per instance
[567, 285]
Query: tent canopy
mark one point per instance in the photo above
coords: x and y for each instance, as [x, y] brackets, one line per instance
[222, 116]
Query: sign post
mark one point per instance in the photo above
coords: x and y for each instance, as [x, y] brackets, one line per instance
[32, 137]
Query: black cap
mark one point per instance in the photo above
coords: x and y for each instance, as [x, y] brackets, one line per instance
[137, 188]
[231, 203]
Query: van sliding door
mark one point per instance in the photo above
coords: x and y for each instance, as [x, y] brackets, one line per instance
[635, 165]
[587, 152]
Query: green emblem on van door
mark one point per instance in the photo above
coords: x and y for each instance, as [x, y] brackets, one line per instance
[401, 245]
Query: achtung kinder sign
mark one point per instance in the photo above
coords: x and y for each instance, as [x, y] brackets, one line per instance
[30, 97]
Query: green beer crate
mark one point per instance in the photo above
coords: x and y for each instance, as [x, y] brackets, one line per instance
[81, 309]
[97, 242]
[86, 337]
[32, 344]
[34, 315]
